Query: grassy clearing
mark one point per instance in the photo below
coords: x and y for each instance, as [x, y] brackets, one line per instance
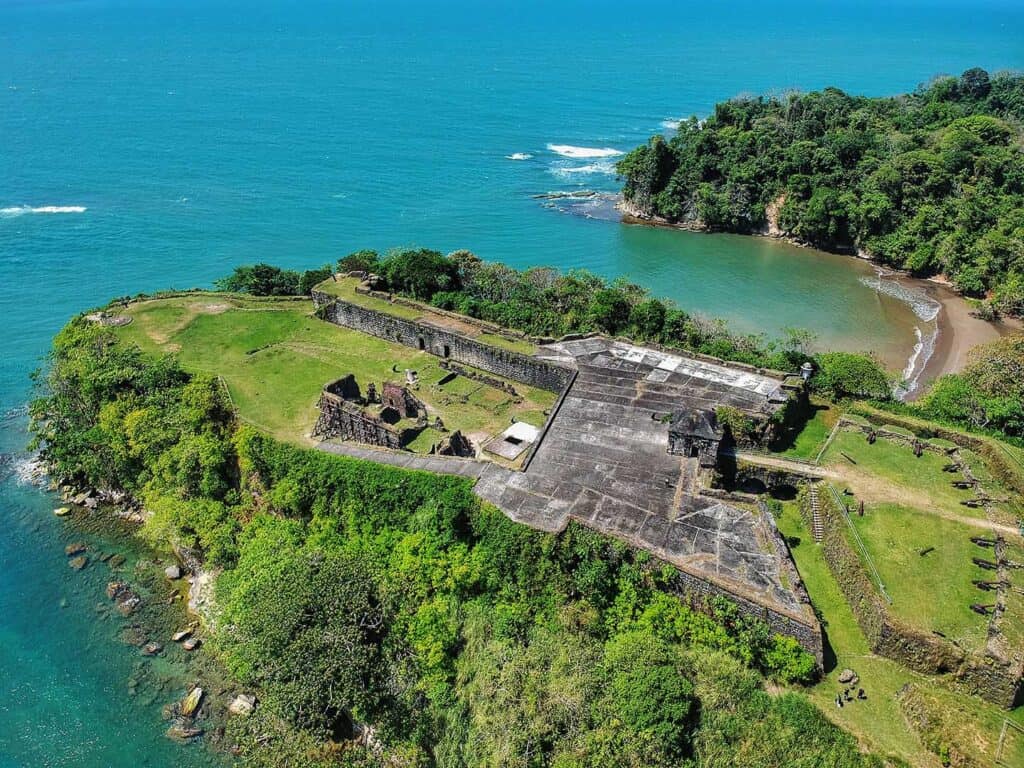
[889, 472]
[969, 724]
[877, 722]
[275, 358]
[931, 591]
[912, 506]
[814, 433]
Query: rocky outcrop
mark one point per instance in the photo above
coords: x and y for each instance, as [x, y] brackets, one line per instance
[242, 705]
[125, 598]
[190, 704]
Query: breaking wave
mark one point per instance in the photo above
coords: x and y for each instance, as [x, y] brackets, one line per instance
[919, 357]
[519, 156]
[28, 470]
[926, 309]
[924, 306]
[591, 168]
[671, 123]
[582, 153]
[21, 210]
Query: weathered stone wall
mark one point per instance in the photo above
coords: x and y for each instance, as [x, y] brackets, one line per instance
[348, 421]
[483, 378]
[697, 592]
[444, 344]
[746, 475]
[983, 675]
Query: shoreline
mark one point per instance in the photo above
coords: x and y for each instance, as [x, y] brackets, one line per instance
[945, 349]
[957, 333]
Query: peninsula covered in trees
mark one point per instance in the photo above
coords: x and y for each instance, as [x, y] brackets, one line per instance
[377, 616]
[931, 181]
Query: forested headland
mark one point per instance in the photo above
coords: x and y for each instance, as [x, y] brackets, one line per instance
[390, 618]
[931, 181]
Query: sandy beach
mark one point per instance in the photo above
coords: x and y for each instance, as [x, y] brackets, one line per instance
[958, 333]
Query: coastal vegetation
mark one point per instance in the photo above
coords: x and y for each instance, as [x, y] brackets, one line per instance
[988, 393]
[544, 302]
[390, 617]
[931, 182]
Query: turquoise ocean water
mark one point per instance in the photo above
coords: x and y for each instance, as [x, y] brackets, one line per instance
[147, 145]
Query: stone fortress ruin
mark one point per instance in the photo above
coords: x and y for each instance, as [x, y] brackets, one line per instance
[630, 448]
[391, 419]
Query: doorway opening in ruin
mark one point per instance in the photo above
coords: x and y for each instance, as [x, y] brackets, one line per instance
[421, 344]
[694, 452]
[446, 350]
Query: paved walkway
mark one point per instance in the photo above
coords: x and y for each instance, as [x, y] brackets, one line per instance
[780, 462]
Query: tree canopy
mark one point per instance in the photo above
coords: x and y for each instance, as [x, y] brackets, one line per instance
[355, 596]
[931, 182]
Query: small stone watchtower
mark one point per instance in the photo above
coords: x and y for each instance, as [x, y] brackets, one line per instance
[695, 434]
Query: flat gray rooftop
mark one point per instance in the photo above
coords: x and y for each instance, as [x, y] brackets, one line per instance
[604, 463]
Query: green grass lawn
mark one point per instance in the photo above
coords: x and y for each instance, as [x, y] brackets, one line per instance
[275, 358]
[814, 433]
[889, 472]
[933, 591]
[971, 724]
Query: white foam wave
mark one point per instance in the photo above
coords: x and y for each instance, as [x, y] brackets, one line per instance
[923, 350]
[924, 306]
[519, 156]
[29, 470]
[671, 123]
[21, 210]
[591, 168]
[581, 153]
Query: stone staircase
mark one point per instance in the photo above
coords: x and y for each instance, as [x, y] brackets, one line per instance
[817, 524]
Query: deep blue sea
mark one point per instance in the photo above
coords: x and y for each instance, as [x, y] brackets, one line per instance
[148, 145]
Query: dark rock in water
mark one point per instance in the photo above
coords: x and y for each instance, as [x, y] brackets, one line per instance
[78, 563]
[114, 588]
[116, 561]
[75, 549]
[105, 556]
[152, 649]
[182, 732]
[134, 635]
[124, 597]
